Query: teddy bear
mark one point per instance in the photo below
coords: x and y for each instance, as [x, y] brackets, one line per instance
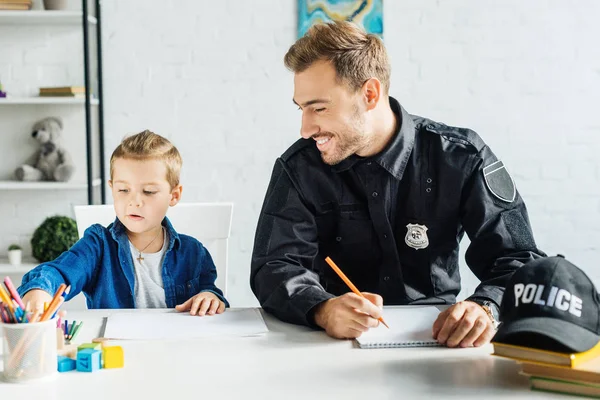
[52, 162]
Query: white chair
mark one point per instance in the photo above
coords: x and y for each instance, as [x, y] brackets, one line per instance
[210, 223]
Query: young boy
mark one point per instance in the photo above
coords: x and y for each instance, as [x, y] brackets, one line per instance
[139, 261]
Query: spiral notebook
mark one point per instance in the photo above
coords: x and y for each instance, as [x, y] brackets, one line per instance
[410, 326]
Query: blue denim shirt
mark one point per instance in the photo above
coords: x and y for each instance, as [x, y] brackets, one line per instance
[101, 266]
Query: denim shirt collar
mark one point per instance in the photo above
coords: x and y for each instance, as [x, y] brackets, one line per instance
[119, 233]
[397, 152]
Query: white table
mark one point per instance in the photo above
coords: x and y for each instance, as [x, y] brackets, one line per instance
[290, 362]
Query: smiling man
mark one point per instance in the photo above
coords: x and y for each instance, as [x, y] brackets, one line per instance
[388, 196]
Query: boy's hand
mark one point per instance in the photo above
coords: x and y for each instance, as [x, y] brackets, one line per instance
[201, 304]
[36, 299]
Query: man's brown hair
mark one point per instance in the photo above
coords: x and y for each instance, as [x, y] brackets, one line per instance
[355, 55]
[148, 145]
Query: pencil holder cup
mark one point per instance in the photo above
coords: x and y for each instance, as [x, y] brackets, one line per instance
[29, 351]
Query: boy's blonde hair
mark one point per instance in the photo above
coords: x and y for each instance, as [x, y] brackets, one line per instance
[355, 55]
[148, 145]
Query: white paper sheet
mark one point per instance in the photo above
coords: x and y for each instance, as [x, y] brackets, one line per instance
[175, 325]
[410, 326]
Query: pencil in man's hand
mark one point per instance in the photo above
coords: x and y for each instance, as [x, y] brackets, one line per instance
[350, 284]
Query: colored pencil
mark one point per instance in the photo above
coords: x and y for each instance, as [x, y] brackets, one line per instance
[13, 292]
[54, 304]
[76, 331]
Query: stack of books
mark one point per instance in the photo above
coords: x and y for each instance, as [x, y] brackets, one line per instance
[18, 5]
[63, 91]
[569, 373]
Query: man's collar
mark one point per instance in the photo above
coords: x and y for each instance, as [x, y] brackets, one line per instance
[396, 154]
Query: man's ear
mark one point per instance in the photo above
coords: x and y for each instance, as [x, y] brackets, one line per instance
[110, 183]
[175, 195]
[371, 93]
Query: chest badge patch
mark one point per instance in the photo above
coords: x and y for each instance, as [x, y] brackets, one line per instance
[416, 236]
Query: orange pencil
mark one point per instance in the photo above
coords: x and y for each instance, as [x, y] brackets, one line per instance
[54, 303]
[350, 284]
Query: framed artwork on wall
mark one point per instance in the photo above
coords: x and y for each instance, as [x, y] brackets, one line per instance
[367, 13]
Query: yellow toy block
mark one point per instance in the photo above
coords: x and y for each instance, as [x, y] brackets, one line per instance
[113, 357]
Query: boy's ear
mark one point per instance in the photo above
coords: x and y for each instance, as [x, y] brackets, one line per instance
[175, 195]
[110, 183]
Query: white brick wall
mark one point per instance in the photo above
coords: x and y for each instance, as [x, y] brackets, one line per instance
[526, 77]
[209, 75]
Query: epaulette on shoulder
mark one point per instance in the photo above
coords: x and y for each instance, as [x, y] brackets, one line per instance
[464, 136]
[295, 148]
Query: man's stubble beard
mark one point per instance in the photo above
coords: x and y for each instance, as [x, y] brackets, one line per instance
[352, 143]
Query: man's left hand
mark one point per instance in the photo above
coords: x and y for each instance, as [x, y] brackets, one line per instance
[464, 324]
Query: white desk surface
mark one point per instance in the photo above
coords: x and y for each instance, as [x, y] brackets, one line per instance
[290, 362]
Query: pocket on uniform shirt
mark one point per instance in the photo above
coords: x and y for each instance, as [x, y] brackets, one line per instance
[353, 252]
[431, 270]
[441, 235]
[354, 212]
[330, 217]
[354, 231]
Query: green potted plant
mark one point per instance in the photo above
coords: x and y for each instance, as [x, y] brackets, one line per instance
[14, 254]
[54, 236]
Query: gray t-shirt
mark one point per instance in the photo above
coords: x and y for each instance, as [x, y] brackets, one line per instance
[149, 289]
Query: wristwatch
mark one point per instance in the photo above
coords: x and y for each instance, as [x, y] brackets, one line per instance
[491, 309]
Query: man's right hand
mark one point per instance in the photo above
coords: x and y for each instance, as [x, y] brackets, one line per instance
[349, 315]
[36, 299]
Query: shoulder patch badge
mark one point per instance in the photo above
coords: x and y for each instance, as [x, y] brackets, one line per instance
[499, 182]
[416, 236]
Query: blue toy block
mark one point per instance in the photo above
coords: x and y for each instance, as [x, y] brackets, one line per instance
[66, 364]
[88, 360]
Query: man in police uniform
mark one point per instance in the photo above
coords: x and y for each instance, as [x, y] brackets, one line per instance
[388, 196]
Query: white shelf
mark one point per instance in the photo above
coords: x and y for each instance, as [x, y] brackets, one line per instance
[45, 100]
[23, 268]
[18, 185]
[39, 17]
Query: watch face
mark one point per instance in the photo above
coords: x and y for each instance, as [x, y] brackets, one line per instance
[492, 309]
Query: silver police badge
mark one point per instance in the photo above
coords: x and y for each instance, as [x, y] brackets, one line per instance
[416, 236]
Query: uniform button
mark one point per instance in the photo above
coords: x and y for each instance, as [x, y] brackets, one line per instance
[375, 194]
[428, 190]
[369, 163]
[338, 239]
[385, 235]
[386, 278]
[189, 285]
[429, 180]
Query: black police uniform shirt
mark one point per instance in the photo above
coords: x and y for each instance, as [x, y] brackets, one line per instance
[391, 222]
